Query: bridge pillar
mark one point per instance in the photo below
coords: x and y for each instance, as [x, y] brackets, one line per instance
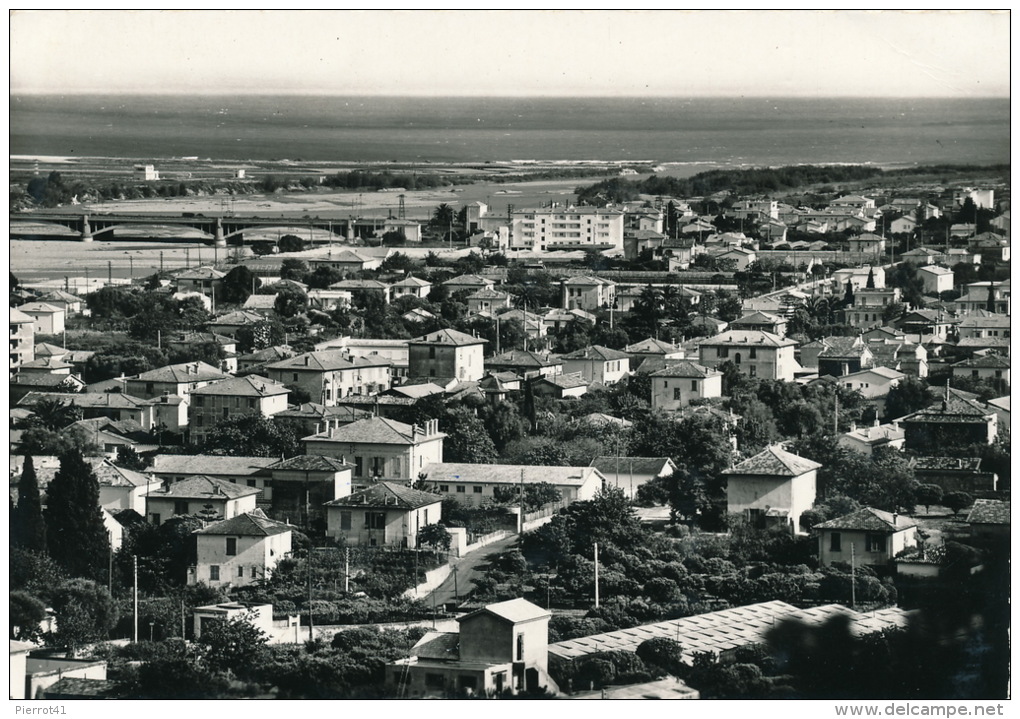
[218, 239]
[350, 229]
[86, 229]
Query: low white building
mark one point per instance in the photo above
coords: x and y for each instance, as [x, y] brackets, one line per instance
[476, 484]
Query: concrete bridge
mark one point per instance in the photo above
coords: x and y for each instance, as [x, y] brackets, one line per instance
[219, 227]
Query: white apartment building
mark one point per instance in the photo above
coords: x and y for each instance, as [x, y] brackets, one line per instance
[551, 228]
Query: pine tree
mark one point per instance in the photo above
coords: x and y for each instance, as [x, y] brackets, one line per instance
[27, 522]
[76, 535]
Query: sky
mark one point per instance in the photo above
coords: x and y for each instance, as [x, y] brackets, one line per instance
[515, 53]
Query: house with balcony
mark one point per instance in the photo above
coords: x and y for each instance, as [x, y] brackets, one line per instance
[597, 364]
[330, 375]
[503, 647]
[772, 488]
[232, 398]
[380, 448]
[21, 340]
[239, 551]
[447, 354]
[871, 536]
[991, 296]
[386, 514]
[205, 281]
[297, 488]
[755, 353]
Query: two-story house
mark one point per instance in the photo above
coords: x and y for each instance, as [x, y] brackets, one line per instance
[935, 279]
[447, 354]
[675, 385]
[239, 551]
[772, 488]
[491, 301]
[176, 379]
[380, 448]
[844, 355]
[206, 281]
[587, 293]
[297, 488]
[756, 353]
[597, 364]
[760, 321]
[955, 421]
[228, 399]
[503, 647]
[387, 514]
[48, 319]
[330, 375]
[196, 494]
[867, 536]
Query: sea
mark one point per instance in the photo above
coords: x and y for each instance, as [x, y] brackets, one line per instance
[739, 131]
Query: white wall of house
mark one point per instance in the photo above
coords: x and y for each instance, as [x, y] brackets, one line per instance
[879, 549]
[794, 494]
[253, 558]
[673, 393]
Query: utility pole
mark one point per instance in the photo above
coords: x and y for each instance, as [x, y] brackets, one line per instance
[347, 570]
[135, 563]
[521, 527]
[596, 575]
[311, 611]
[853, 579]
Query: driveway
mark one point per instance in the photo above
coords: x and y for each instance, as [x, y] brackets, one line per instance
[458, 585]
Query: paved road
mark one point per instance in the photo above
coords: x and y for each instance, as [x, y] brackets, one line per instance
[459, 584]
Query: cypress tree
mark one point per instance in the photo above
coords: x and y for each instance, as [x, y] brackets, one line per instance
[76, 535]
[27, 522]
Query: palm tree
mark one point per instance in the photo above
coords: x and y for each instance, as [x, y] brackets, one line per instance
[53, 414]
[443, 216]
